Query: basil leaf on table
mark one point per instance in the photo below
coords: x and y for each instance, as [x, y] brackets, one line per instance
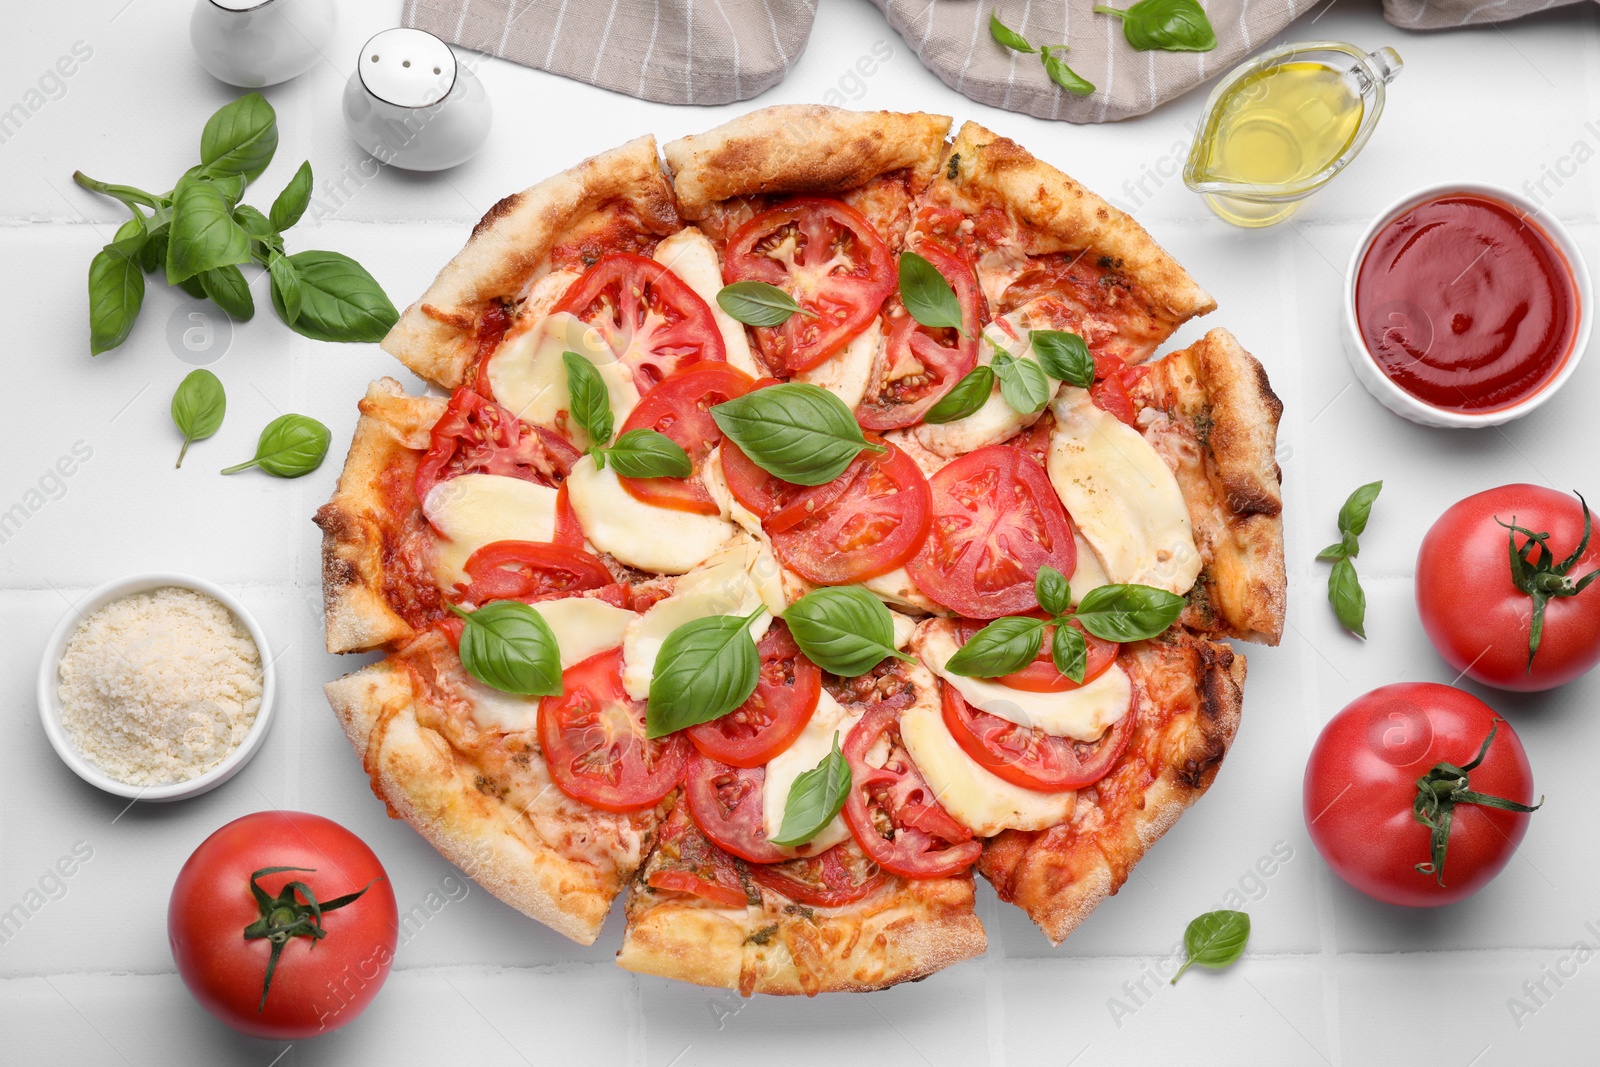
[704, 670]
[965, 397]
[116, 293]
[1069, 652]
[239, 139]
[226, 288]
[1128, 612]
[927, 295]
[1346, 547]
[197, 408]
[1344, 588]
[759, 303]
[1357, 509]
[1169, 25]
[339, 300]
[1214, 940]
[1051, 589]
[202, 233]
[843, 629]
[1065, 76]
[1064, 356]
[591, 400]
[1006, 35]
[1004, 646]
[508, 646]
[291, 203]
[1023, 383]
[291, 445]
[1347, 597]
[285, 287]
[645, 453]
[794, 431]
[815, 798]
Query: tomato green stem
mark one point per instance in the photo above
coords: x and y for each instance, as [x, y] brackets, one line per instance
[283, 917]
[1534, 570]
[1440, 790]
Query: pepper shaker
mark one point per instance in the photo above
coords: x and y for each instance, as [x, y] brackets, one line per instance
[412, 104]
[253, 43]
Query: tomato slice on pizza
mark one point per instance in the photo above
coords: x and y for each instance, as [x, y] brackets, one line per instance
[478, 436]
[523, 570]
[1030, 757]
[835, 878]
[763, 726]
[727, 805]
[680, 407]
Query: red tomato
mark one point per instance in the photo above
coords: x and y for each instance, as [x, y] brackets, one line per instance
[569, 531]
[593, 738]
[727, 805]
[478, 436]
[1362, 780]
[893, 813]
[1041, 675]
[841, 875]
[514, 570]
[827, 256]
[680, 407]
[1472, 608]
[996, 521]
[223, 940]
[766, 724]
[649, 318]
[1032, 758]
[922, 364]
[1110, 392]
[688, 863]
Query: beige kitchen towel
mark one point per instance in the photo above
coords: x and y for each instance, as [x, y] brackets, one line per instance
[719, 51]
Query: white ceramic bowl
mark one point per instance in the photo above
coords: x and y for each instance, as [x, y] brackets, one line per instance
[50, 702]
[1403, 403]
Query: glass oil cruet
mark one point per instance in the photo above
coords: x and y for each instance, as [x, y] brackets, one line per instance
[1279, 127]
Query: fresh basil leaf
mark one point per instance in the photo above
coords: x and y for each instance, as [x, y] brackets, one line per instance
[965, 397]
[291, 203]
[1357, 509]
[591, 400]
[705, 669]
[843, 629]
[926, 293]
[1345, 548]
[1065, 76]
[197, 408]
[1064, 356]
[1006, 35]
[193, 287]
[1347, 597]
[794, 431]
[1170, 25]
[231, 186]
[1215, 940]
[239, 139]
[1005, 646]
[647, 453]
[285, 287]
[1128, 612]
[229, 291]
[253, 222]
[1070, 652]
[291, 445]
[116, 292]
[1023, 383]
[153, 256]
[203, 234]
[339, 300]
[508, 646]
[815, 798]
[759, 304]
[1052, 591]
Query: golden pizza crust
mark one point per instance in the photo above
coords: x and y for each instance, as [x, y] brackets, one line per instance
[436, 337]
[801, 148]
[1060, 875]
[364, 527]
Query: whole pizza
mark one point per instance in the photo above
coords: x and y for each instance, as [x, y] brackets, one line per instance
[805, 522]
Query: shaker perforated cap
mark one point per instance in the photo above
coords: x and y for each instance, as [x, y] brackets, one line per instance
[240, 5]
[408, 68]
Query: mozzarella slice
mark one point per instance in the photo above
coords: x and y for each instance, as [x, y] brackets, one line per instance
[847, 373]
[1122, 496]
[735, 581]
[716, 483]
[689, 254]
[529, 376]
[505, 712]
[904, 627]
[641, 535]
[1082, 714]
[996, 420]
[898, 590]
[1087, 573]
[997, 269]
[974, 796]
[584, 626]
[473, 510]
[804, 753]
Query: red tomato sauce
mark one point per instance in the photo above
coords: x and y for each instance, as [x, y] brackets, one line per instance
[1466, 305]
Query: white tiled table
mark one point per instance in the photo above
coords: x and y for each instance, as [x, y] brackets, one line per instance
[1330, 976]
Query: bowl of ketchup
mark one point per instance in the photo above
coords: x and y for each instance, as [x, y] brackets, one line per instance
[1466, 305]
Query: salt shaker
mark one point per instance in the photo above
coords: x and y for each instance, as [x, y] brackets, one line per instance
[252, 43]
[413, 105]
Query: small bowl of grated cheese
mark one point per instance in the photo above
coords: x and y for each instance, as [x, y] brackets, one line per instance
[156, 687]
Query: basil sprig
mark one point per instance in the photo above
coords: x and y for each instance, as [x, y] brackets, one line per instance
[642, 453]
[965, 397]
[1344, 588]
[1214, 940]
[843, 629]
[1023, 383]
[1057, 70]
[291, 445]
[199, 235]
[197, 408]
[705, 669]
[1534, 571]
[591, 400]
[1170, 25]
[1111, 612]
[815, 799]
[795, 431]
[1064, 356]
[508, 646]
[759, 303]
[928, 295]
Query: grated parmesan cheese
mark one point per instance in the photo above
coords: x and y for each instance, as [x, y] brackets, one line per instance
[159, 687]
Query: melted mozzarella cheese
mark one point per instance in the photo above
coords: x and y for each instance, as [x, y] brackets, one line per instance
[1082, 714]
[847, 373]
[690, 255]
[506, 712]
[996, 420]
[898, 590]
[473, 510]
[529, 377]
[1122, 496]
[974, 796]
[716, 483]
[803, 754]
[904, 627]
[584, 626]
[1087, 573]
[641, 535]
[735, 581]
[997, 269]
